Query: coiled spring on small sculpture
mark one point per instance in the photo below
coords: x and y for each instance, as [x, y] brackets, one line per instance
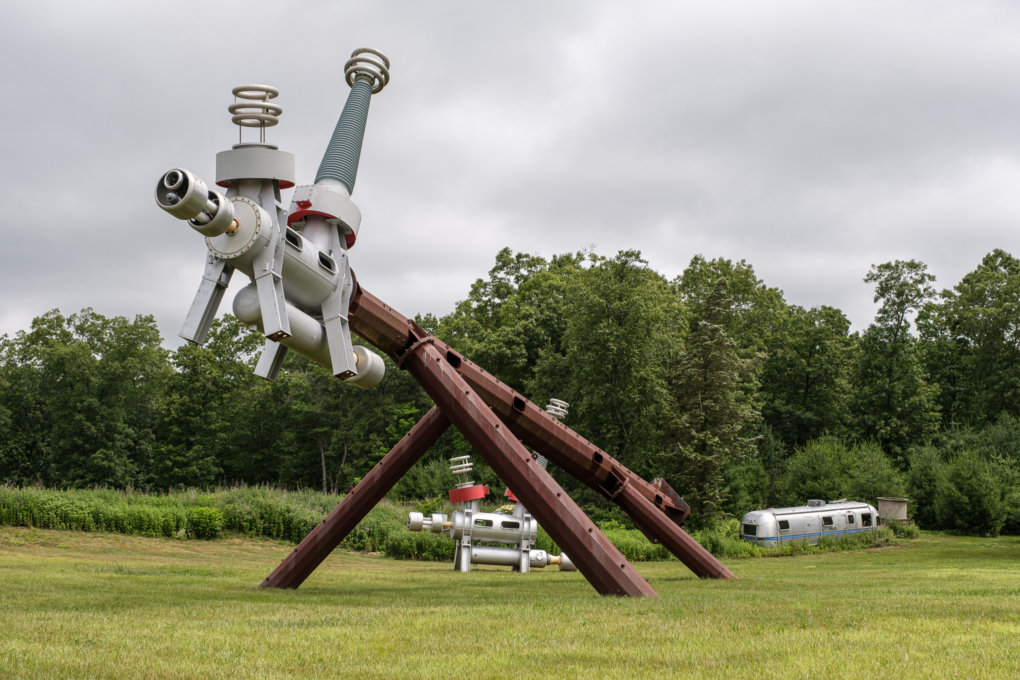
[254, 110]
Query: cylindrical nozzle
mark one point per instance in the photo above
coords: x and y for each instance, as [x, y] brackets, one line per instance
[188, 198]
[417, 521]
[371, 368]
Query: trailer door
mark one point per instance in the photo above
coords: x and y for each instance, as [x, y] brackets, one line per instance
[784, 531]
[811, 528]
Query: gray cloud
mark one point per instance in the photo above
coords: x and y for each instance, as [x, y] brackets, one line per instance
[812, 140]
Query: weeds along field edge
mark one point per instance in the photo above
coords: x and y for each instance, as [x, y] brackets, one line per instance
[289, 515]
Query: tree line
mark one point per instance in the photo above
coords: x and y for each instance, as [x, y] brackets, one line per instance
[711, 380]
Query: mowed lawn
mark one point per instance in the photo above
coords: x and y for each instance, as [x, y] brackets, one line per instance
[77, 605]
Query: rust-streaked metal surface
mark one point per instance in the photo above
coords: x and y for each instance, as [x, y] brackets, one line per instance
[595, 556]
[326, 536]
[676, 540]
[393, 333]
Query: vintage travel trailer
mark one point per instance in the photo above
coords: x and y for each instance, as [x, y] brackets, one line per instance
[775, 526]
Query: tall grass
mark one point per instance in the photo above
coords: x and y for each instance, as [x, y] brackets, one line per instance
[252, 511]
[264, 512]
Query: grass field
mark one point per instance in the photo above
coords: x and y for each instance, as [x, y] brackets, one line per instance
[78, 605]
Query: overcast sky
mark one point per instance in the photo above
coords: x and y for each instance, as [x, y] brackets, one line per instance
[811, 139]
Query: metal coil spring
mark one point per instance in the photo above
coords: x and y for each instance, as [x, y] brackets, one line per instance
[254, 109]
[368, 64]
[557, 408]
[461, 465]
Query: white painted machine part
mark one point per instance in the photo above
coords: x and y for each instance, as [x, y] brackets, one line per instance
[247, 231]
[557, 408]
[308, 338]
[254, 161]
[328, 199]
[188, 198]
[493, 527]
[435, 523]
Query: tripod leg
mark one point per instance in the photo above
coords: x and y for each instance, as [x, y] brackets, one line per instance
[598, 559]
[321, 540]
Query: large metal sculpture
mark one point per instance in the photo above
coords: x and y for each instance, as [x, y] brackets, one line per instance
[304, 297]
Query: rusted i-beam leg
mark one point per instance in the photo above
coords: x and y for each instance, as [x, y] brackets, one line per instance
[676, 540]
[549, 438]
[601, 563]
[659, 516]
[392, 333]
[321, 540]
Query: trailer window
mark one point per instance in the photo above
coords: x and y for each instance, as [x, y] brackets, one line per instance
[850, 519]
[784, 525]
[750, 529]
[866, 519]
[827, 520]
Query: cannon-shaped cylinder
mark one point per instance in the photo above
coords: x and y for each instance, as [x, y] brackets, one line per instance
[242, 234]
[188, 198]
[310, 274]
[510, 557]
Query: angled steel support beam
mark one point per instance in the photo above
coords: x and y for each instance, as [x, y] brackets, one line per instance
[654, 507]
[392, 333]
[655, 524]
[326, 536]
[595, 556]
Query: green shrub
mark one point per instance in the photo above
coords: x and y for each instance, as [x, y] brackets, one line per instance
[425, 479]
[722, 539]
[826, 468]
[543, 541]
[430, 506]
[635, 547]
[204, 522]
[872, 539]
[969, 498]
[375, 529]
[289, 515]
[922, 482]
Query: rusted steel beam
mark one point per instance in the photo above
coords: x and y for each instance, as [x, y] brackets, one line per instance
[595, 556]
[375, 320]
[564, 447]
[326, 536]
[393, 333]
[676, 540]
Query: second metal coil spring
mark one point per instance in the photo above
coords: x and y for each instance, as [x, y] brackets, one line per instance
[254, 110]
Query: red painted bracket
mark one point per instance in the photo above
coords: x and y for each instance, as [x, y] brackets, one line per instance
[468, 494]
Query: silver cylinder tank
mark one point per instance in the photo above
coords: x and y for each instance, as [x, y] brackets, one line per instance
[494, 527]
[308, 338]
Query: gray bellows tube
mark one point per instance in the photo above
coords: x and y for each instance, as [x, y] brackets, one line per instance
[340, 162]
[367, 72]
